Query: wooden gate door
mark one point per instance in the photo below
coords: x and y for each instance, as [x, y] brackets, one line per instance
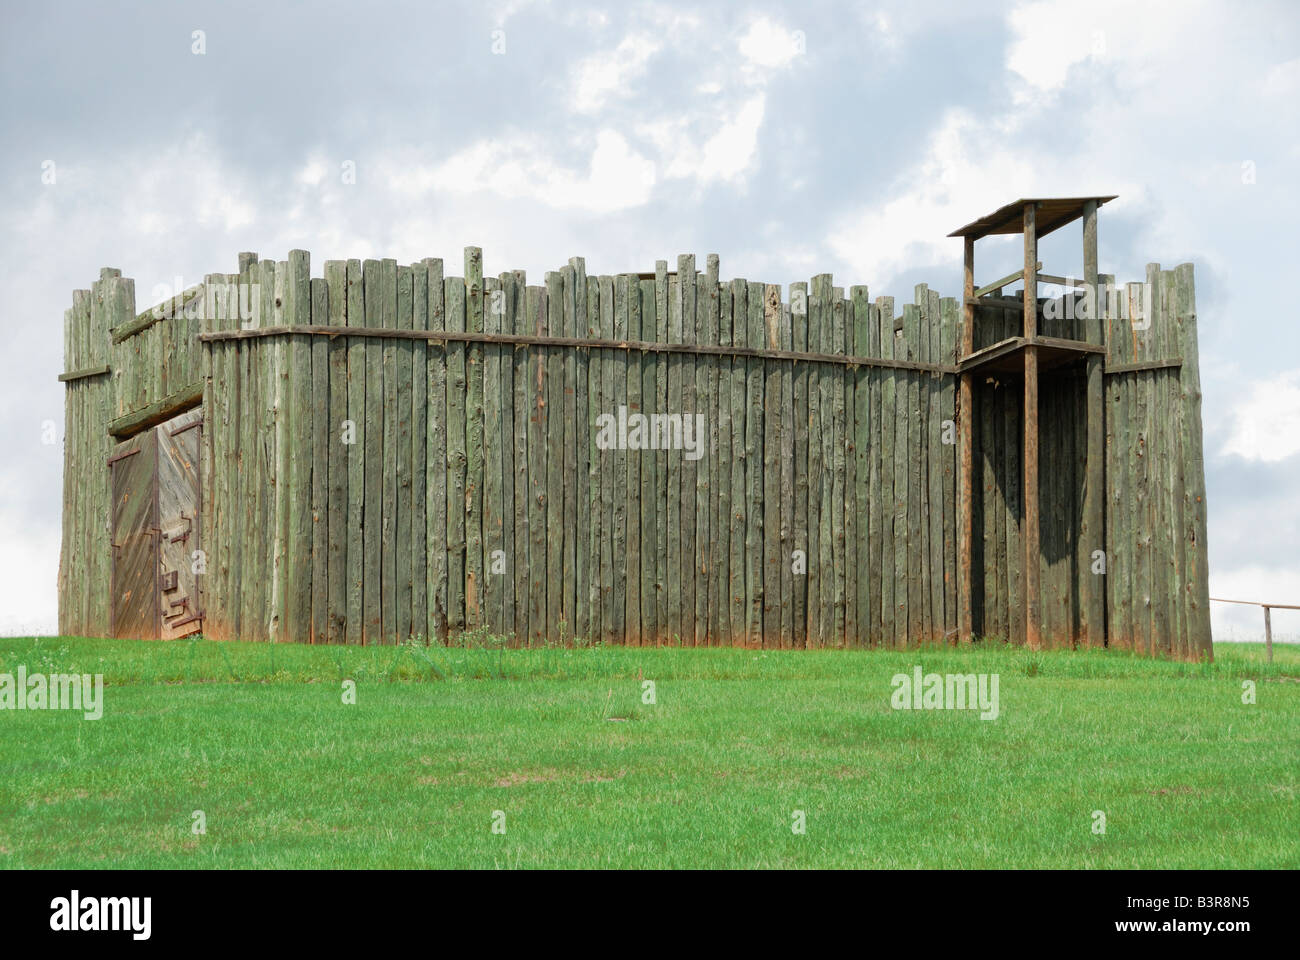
[180, 557]
[157, 558]
[134, 466]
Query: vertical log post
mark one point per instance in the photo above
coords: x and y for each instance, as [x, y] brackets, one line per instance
[966, 435]
[1029, 488]
[1093, 533]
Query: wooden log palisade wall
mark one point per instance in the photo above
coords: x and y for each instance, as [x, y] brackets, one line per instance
[391, 452]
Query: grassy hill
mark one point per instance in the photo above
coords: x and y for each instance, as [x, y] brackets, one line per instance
[444, 742]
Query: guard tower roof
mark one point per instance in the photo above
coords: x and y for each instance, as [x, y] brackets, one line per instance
[1052, 214]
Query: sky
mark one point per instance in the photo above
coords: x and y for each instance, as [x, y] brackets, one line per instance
[789, 138]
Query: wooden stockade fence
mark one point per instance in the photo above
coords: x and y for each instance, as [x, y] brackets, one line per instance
[391, 452]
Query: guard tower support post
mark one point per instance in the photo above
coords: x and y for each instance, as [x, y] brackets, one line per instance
[1029, 488]
[1092, 535]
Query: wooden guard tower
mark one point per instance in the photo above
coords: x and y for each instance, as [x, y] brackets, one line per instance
[1033, 354]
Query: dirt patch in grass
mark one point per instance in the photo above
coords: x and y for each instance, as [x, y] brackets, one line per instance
[516, 778]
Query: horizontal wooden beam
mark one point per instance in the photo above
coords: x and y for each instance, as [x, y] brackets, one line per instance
[1144, 365]
[999, 284]
[1006, 303]
[160, 411]
[171, 306]
[98, 371]
[644, 346]
[991, 352]
[1253, 603]
[1012, 344]
[1061, 343]
[1060, 281]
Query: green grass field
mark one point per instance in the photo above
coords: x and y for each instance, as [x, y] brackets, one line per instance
[587, 775]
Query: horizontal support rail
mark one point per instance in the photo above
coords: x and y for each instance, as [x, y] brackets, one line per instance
[160, 411]
[1010, 278]
[170, 307]
[1255, 603]
[98, 371]
[518, 339]
[1012, 344]
[1144, 365]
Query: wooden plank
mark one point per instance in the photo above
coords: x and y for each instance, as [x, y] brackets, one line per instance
[710, 313]
[799, 377]
[934, 467]
[98, 370]
[298, 557]
[632, 471]
[724, 518]
[404, 485]
[278, 458]
[419, 452]
[437, 427]
[522, 411]
[785, 410]
[494, 555]
[389, 622]
[921, 455]
[354, 315]
[336, 280]
[573, 438]
[702, 409]
[847, 388]
[457, 355]
[1013, 549]
[257, 555]
[904, 590]
[687, 468]
[965, 453]
[372, 432]
[555, 441]
[673, 498]
[772, 560]
[605, 474]
[616, 464]
[1091, 532]
[888, 426]
[474, 569]
[596, 406]
[538, 472]
[1193, 532]
[817, 306]
[828, 574]
[578, 294]
[754, 460]
[841, 451]
[502, 309]
[1029, 491]
[1117, 633]
[650, 475]
[320, 446]
[667, 627]
[161, 410]
[860, 302]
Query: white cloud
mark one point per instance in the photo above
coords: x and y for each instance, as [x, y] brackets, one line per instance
[618, 177]
[767, 44]
[611, 72]
[968, 168]
[313, 173]
[1266, 421]
[731, 151]
[1283, 79]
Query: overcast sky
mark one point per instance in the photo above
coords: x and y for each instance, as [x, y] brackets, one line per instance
[790, 139]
